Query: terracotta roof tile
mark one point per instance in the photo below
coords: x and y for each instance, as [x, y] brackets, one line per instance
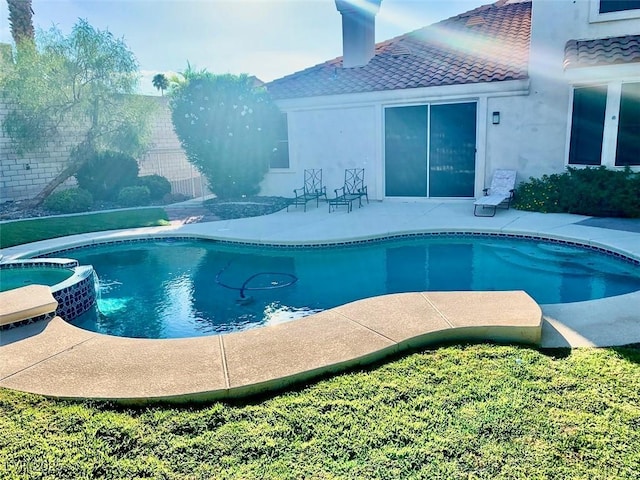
[487, 44]
[602, 51]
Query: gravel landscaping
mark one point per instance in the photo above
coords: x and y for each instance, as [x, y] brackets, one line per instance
[223, 209]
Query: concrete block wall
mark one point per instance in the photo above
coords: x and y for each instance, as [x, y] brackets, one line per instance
[24, 176]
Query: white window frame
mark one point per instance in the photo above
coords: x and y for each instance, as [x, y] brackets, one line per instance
[595, 16]
[289, 168]
[610, 130]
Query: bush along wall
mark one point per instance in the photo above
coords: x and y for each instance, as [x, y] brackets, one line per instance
[71, 200]
[106, 173]
[598, 192]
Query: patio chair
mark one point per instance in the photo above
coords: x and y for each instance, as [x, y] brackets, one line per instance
[354, 183]
[342, 198]
[499, 194]
[311, 190]
[352, 190]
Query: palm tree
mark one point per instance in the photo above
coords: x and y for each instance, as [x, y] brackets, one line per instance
[21, 20]
[160, 82]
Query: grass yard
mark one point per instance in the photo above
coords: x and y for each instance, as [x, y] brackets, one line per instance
[456, 412]
[25, 231]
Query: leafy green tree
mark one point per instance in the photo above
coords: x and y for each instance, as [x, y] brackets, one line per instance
[160, 82]
[228, 129]
[82, 83]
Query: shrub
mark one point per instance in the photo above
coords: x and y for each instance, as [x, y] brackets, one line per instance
[71, 200]
[228, 128]
[158, 185]
[106, 173]
[134, 196]
[598, 192]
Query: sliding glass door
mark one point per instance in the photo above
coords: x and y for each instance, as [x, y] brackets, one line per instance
[430, 150]
[452, 150]
[406, 151]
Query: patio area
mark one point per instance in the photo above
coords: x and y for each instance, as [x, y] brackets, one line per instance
[57, 359]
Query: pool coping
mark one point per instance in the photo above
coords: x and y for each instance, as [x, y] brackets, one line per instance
[54, 358]
[610, 321]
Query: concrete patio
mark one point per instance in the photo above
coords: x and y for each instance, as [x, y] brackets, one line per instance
[55, 358]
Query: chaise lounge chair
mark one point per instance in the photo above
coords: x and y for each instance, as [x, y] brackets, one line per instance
[499, 194]
[352, 190]
[311, 190]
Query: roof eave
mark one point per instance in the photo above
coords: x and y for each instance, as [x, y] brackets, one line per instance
[411, 95]
[602, 73]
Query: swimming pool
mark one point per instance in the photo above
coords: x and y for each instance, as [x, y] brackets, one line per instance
[184, 288]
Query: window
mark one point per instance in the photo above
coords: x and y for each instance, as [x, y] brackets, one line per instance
[628, 148]
[608, 6]
[280, 157]
[613, 10]
[587, 125]
[605, 125]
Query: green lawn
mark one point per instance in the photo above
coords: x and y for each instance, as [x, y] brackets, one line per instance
[25, 231]
[456, 412]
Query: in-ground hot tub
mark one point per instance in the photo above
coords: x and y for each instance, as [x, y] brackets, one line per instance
[72, 284]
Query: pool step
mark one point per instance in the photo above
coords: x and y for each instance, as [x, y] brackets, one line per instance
[25, 304]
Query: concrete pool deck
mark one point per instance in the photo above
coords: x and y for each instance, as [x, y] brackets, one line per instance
[55, 358]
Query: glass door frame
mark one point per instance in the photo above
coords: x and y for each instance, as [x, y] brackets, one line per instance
[478, 162]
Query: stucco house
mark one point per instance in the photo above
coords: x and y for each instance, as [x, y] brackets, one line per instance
[530, 85]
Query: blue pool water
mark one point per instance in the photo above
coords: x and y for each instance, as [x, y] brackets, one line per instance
[11, 278]
[170, 289]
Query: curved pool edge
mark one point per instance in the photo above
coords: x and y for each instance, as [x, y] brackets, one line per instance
[611, 321]
[63, 244]
[59, 360]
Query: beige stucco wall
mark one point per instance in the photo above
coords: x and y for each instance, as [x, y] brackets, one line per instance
[347, 131]
[553, 24]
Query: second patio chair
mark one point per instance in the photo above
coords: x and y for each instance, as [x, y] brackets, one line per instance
[352, 190]
[354, 183]
[311, 190]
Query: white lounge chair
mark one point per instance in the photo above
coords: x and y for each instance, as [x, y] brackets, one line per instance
[499, 194]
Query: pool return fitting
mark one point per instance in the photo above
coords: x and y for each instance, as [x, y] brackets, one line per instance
[246, 300]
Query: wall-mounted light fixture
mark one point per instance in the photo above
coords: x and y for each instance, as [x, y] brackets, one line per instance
[495, 118]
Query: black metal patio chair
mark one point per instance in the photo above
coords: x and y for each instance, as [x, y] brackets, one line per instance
[354, 184]
[311, 190]
[352, 190]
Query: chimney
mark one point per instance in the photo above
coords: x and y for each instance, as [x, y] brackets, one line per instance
[358, 30]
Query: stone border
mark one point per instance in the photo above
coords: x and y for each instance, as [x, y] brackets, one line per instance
[57, 359]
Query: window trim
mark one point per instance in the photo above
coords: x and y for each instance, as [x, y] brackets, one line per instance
[617, 134]
[610, 129]
[595, 16]
[603, 140]
[288, 168]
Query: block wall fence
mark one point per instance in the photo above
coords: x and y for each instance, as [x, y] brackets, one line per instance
[24, 176]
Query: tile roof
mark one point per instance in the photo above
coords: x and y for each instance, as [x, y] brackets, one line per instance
[602, 51]
[486, 44]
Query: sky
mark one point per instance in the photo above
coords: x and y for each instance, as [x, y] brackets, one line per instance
[265, 38]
